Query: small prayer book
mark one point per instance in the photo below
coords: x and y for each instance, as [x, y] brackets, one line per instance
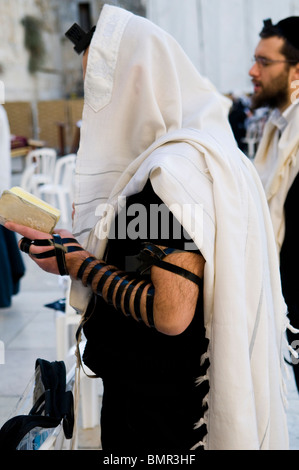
[21, 207]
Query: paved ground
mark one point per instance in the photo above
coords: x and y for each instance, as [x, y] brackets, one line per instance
[27, 330]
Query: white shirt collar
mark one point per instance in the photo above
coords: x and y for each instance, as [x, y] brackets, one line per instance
[281, 120]
[278, 119]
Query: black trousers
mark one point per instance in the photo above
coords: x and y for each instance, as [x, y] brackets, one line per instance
[146, 420]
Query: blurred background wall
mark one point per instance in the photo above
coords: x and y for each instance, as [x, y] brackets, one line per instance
[220, 35]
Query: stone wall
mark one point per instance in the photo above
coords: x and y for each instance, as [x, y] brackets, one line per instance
[220, 35]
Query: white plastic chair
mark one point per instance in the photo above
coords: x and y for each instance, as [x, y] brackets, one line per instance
[59, 192]
[45, 160]
[27, 179]
[90, 388]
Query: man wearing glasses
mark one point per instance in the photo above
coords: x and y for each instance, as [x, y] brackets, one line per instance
[275, 76]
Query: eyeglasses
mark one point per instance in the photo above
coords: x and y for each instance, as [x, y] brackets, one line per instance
[264, 62]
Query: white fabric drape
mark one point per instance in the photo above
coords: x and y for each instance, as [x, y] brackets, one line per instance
[148, 113]
[277, 162]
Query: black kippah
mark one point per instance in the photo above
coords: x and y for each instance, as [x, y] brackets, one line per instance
[287, 28]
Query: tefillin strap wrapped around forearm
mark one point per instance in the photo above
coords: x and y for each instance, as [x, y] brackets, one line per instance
[119, 289]
[125, 292]
[152, 255]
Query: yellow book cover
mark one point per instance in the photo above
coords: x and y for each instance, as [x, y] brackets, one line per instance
[21, 207]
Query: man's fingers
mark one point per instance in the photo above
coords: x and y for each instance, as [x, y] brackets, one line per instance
[27, 232]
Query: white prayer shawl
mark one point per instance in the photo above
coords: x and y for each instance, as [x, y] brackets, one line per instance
[277, 162]
[148, 113]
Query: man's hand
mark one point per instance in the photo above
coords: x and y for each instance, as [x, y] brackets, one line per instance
[73, 260]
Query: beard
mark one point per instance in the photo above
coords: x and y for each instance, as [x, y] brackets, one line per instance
[274, 95]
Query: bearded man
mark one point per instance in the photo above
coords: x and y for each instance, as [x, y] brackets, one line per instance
[275, 76]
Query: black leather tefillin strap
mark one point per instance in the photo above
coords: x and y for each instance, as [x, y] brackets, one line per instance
[151, 255]
[59, 251]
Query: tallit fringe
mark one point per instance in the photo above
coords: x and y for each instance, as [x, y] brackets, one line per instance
[292, 328]
[295, 331]
[202, 443]
[201, 422]
[201, 379]
[293, 352]
[205, 403]
[204, 357]
[286, 370]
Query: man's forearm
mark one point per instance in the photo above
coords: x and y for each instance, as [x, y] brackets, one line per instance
[174, 299]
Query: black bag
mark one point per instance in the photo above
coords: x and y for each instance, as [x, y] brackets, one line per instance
[52, 404]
